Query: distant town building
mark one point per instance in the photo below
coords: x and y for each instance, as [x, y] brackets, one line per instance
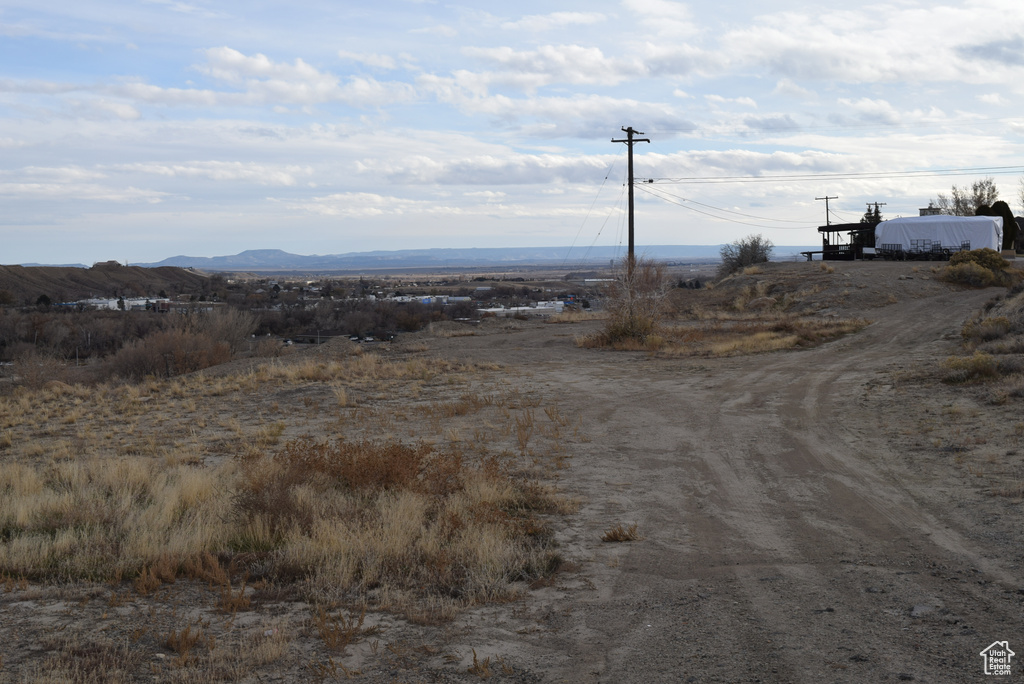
[930, 210]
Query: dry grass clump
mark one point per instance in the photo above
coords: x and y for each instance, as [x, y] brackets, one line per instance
[995, 340]
[575, 316]
[785, 332]
[979, 366]
[621, 533]
[338, 631]
[91, 660]
[448, 329]
[733, 337]
[349, 518]
[405, 521]
[107, 519]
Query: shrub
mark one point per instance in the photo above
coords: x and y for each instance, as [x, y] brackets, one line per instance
[971, 274]
[985, 257]
[636, 305]
[753, 249]
[960, 369]
[987, 329]
[229, 325]
[168, 353]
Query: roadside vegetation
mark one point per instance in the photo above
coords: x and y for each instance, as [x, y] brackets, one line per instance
[993, 343]
[980, 268]
[645, 311]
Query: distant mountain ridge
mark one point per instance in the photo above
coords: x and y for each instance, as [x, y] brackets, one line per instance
[473, 257]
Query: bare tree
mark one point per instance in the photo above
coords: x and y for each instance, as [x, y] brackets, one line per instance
[966, 201]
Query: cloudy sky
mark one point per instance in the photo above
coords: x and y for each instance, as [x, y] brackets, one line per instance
[141, 130]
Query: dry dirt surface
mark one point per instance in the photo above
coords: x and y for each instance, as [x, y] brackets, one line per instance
[803, 516]
[788, 535]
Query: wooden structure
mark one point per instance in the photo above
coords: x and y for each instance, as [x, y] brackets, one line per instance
[845, 242]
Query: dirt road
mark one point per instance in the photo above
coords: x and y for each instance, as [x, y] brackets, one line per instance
[785, 538]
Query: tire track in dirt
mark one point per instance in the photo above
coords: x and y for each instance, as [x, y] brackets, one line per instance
[782, 544]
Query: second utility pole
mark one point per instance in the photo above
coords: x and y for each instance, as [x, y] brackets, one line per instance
[629, 143]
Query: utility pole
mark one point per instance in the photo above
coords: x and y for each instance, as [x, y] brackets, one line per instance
[876, 205]
[828, 217]
[629, 142]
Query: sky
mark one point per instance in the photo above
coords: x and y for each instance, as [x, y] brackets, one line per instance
[142, 130]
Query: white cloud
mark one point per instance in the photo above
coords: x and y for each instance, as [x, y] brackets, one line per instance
[261, 174]
[490, 169]
[663, 17]
[879, 44]
[370, 60]
[788, 88]
[232, 66]
[489, 195]
[672, 59]
[259, 80]
[549, 64]
[59, 192]
[61, 174]
[34, 86]
[576, 116]
[556, 20]
[186, 8]
[743, 101]
[120, 110]
[374, 206]
[993, 99]
[438, 30]
[868, 110]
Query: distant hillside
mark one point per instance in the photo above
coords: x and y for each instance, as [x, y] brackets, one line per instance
[65, 283]
[277, 260]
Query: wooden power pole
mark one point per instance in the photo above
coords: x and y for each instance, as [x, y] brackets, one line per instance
[630, 140]
[828, 219]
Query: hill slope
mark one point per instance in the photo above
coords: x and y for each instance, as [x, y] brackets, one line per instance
[62, 283]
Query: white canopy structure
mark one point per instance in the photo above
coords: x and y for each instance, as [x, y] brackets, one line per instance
[921, 233]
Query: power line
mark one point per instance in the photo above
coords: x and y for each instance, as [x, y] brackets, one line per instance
[589, 212]
[604, 224]
[726, 211]
[655, 193]
[799, 128]
[876, 175]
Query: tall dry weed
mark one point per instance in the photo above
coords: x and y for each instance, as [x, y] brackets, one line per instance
[636, 305]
